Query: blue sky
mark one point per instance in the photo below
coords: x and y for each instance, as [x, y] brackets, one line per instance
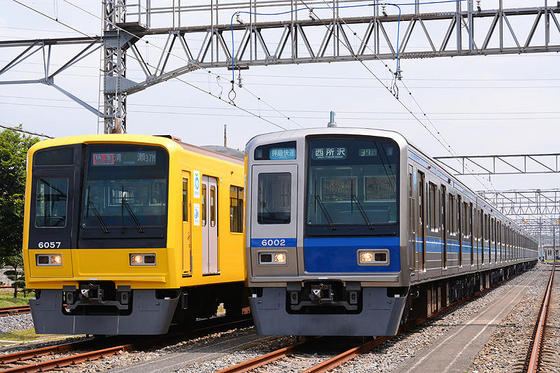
[481, 105]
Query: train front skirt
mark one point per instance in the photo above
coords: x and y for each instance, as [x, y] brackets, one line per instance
[149, 315]
[380, 315]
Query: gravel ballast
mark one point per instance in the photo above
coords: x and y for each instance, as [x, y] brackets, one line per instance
[15, 322]
[391, 355]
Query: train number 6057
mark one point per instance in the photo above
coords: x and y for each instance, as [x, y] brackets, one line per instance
[48, 245]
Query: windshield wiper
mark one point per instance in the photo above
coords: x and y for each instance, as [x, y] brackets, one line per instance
[124, 203]
[96, 213]
[362, 212]
[325, 212]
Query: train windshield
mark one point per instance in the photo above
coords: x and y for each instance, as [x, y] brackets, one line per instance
[125, 193]
[352, 186]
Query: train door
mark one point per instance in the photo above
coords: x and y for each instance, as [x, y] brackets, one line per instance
[411, 218]
[421, 249]
[483, 234]
[471, 231]
[186, 234]
[274, 210]
[444, 226]
[460, 216]
[209, 222]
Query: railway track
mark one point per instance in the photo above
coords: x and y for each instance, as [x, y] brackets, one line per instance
[7, 311]
[535, 351]
[83, 351]
[57, 363]
[347, 355]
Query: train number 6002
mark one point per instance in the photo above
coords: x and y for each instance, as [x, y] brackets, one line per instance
[273, 242]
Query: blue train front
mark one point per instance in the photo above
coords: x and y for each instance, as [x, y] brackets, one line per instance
[327, 246]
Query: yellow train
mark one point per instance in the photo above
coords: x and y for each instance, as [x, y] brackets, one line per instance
[125, 233]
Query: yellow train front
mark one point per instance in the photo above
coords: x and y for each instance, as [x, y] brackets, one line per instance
[124, 234]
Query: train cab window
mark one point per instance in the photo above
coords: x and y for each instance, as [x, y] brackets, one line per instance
[236, 209]
[185, 200]
[124, 196]
[203, 207]
[54, 157]
[212, 206]
[52, 195]
[274, 198]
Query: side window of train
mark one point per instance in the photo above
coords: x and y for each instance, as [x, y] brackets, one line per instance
[432, 207]
[52, 195]
[274, 198]
[212, 206]
[452, 215]
[459, 217]
[236, 209]
[203, 207]
[411, 198]
[186, 200]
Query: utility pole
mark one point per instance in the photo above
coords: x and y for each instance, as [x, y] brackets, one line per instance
[225, 135]
[114, 66]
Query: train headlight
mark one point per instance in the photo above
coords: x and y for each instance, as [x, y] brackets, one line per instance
[280, 258]
[366, 257]
[48, 259]
[373, 257]
[142, 259]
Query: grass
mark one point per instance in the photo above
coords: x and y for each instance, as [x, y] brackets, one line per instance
[7, 298]
[19, 335]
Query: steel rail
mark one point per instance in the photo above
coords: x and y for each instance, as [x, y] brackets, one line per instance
[93, 355]
[348, 355]
[31, 354]
[536, 346]
[69, 360]
[6, 311]
[261, 360]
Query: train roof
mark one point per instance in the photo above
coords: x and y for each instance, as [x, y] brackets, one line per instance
[344, 131]
[220, 152]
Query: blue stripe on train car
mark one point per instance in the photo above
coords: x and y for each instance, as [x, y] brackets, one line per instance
[274, 242]
[340, 255]
[435, 245]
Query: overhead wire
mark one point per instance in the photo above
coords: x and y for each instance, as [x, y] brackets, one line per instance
[448, 147]
[183, 81]
[398, 78]
[18, 129]
[321, 118]
[502, 114]
[185, 60]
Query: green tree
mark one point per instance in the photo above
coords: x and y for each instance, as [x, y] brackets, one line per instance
[13, 156]
[16, 274]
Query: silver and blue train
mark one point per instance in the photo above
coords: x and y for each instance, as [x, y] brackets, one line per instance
[355, 231]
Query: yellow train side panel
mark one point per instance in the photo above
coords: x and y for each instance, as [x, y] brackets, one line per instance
[113, 264]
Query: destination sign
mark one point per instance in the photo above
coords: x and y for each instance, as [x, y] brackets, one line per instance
[282, 153]
[138, 158]
[328, 153]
